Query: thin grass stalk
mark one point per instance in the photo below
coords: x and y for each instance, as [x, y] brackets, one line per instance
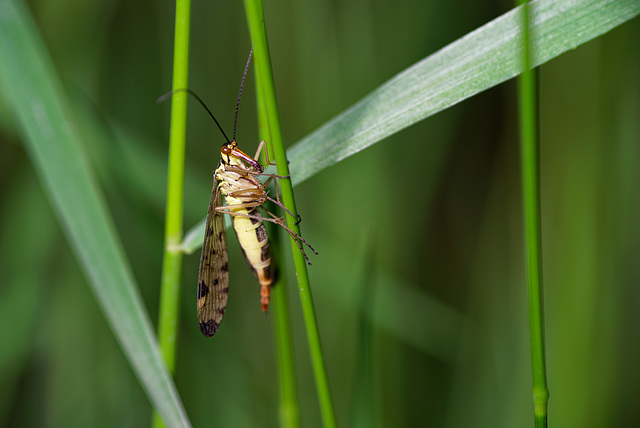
[527, 88]
[289, 407]
[264, 77]
[172, 257]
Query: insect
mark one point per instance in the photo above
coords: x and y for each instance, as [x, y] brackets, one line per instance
[236, 177]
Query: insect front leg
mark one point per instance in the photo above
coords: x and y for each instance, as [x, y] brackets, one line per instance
[263, 144]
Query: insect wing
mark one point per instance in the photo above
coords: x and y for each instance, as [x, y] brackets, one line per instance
[213, 277]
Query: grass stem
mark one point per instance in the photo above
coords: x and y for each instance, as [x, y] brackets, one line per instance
[266, 87]
[289, 411]
[172, 257]
[527, 88]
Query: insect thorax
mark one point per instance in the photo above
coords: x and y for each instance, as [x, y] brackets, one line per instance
[239, 185]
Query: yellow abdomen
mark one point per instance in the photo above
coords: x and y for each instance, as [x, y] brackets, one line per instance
[254, 242]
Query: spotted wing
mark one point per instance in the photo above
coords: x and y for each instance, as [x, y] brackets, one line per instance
[213, 277]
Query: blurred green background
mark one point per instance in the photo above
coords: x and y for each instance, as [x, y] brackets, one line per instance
[419, 284]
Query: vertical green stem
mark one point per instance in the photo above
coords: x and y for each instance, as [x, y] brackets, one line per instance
[255, 18]
[527, 87]
[289, 413]
[172, 258]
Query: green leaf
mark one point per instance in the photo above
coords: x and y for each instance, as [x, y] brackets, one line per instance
[478, 61]
[49, 133]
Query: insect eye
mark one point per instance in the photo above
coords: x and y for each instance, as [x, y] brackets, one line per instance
[225, 150]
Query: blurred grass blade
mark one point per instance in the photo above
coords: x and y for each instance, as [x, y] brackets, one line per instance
[47, 128]
[478, 61]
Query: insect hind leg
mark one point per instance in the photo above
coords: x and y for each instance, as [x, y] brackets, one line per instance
[278, 203]
[299, 240]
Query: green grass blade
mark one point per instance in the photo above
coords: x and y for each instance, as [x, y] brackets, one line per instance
[530, 164]
[478, 61]
[264, 77]
[289, 405]
[171, 267]
[172, 258]
[34, 93]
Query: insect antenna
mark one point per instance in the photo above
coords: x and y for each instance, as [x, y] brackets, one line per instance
[246, 67]
[190, 92]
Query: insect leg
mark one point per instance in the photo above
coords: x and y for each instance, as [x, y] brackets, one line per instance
[277, 201]
[297, 238]
[229, 209]
[226, 209]
[268, 162]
